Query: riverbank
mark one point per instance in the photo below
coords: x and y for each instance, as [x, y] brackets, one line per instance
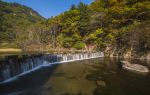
[126, 53]
[40, 51]
[10, 50]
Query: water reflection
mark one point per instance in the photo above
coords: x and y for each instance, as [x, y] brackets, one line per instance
[101, 76]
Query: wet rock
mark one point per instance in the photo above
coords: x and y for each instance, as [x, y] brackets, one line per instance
[105, 73]
[100, 83]
[99, 77]
[113, 72]
[92, 77]
[135, 67]
[71, 77]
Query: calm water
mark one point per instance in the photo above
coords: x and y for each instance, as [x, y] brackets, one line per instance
[101, 76]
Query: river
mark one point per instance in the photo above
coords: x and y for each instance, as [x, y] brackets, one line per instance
[98, 76]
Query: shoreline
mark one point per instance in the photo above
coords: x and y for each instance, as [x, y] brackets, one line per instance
[16, 51]
[41, 51]
[122, 57]
[10, 50]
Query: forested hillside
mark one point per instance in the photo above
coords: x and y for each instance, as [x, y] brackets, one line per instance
[14, 21]
[118, 27]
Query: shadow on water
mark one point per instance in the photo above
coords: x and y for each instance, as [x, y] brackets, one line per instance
[111, 79]
[48, 77]
[100, 76]
[28, 82]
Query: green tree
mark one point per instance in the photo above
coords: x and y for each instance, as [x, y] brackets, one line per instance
[84, 22]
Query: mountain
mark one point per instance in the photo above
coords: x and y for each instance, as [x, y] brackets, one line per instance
[15, 18]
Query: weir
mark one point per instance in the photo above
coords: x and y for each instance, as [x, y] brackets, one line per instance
[12, 69]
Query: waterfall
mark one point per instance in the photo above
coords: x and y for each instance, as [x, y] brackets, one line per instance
[80, 56]
[11, 70]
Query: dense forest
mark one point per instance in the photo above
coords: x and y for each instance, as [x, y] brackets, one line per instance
[118, 27]
[15, 21]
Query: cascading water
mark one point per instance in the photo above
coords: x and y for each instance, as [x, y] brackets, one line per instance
[10, 70]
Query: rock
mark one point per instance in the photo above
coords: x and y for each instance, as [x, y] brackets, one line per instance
[113, 72]
[99, 77]
[127, 54]
[135, 67]
[100, 83]
[92, 77]
[148, 56]
[105, 73]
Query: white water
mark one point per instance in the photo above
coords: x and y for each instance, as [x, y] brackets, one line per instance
[10, 72]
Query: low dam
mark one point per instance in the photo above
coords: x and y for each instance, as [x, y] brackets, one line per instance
[12, 69]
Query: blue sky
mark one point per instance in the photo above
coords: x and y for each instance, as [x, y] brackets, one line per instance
[48, 8]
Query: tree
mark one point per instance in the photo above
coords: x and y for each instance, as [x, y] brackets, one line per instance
[84, 21]
[73, 7]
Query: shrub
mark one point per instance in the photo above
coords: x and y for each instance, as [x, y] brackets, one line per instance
[79, 45]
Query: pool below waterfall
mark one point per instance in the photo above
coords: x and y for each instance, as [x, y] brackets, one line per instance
[97, 76]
